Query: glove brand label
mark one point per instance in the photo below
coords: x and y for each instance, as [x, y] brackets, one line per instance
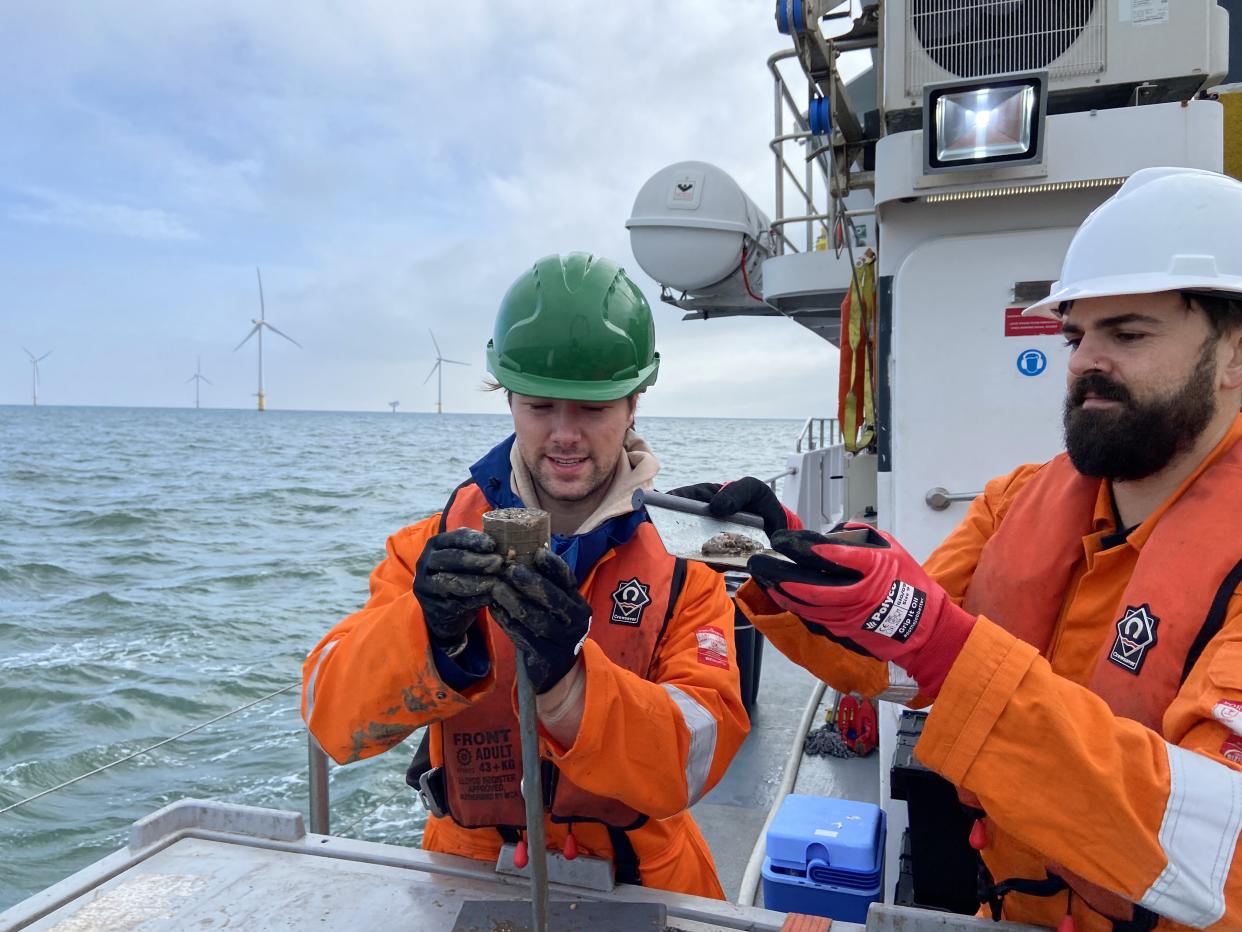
[713, 649]
[899, 613]
[629, 600]
[1136, 635]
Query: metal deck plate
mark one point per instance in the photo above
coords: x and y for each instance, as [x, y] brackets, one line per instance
[514, 916]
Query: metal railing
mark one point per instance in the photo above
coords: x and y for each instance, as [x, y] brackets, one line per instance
[320, 807]
[808, 211]
[819, 432]
[771, 483]
[819, 159]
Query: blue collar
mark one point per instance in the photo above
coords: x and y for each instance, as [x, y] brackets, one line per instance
[493, 474]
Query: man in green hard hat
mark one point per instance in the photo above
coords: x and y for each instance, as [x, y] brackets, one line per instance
[630, 650]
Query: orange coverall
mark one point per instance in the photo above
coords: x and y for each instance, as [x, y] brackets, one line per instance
[371, 682]
[1065, 782]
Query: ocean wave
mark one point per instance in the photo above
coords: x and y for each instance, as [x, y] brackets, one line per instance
[37, 574]
[115, 520]
[98, 600]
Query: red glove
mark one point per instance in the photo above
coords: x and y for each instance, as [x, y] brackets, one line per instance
[872, 596]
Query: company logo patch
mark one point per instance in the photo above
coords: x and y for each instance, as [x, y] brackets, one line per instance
[1136, 635]
[899, 613]
[1229, 714]
[1231, 750]
[629, 600]
[713, 649]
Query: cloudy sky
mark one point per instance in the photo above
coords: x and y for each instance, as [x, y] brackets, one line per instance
[390, 166]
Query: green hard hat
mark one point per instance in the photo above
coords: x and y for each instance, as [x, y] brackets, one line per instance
[574, 327]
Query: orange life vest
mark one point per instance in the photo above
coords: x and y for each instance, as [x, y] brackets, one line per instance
[632, 595]
[1174, 603]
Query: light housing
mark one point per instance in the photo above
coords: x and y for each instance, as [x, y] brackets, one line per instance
[988, 123]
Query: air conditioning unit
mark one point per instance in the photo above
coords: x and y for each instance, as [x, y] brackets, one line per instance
[1098, 54]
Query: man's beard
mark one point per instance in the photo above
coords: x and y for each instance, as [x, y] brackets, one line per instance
[596, 480]
[1137, 439]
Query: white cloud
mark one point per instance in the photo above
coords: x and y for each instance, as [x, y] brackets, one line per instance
[57, 209]
[392, 167]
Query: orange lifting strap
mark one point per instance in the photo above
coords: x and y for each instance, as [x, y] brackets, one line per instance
[856, 381]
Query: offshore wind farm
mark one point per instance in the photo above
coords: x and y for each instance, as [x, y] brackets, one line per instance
[256, 332]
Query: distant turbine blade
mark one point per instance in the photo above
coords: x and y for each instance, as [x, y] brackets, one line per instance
[437, 345]
[192, 378]
[253, 331]
[30, 354]
[262, 309]
[205, 379]
[44, 356]
[285, 335]
[432, 372]
[456, 362]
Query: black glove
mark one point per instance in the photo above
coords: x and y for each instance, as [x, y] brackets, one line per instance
[453, 579]
[540, 609]
[746, 494]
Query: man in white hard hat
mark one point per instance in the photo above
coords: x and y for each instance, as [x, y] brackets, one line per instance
[1081, 630]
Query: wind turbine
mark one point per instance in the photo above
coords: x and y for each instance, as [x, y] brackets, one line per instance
[393, 405]
[258, 328]
[437, 371]
[34, 375]
[198, 377]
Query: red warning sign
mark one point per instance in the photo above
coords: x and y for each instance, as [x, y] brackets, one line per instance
[1018, 326]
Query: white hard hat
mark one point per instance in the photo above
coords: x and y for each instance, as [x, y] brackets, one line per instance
[1166, 229]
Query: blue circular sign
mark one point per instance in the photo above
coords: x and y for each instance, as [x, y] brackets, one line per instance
[1032, 362]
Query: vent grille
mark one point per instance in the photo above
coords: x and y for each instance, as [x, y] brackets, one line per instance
[981, 38]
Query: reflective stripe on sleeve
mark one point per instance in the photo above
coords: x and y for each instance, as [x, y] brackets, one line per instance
[310, 683]
[702, 728]
[1198, 834]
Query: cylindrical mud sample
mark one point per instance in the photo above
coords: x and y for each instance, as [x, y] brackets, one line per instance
[518, 532]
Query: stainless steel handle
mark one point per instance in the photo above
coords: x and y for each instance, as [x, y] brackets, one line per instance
[938, 499]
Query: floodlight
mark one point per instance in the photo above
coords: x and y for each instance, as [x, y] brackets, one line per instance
[984, 123]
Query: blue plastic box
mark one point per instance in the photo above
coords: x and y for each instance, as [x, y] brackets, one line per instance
[825, 857]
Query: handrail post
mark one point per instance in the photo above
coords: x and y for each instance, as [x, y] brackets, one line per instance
[319, 808]
[779, 193]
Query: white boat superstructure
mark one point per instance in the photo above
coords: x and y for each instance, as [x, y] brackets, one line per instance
[958, 164]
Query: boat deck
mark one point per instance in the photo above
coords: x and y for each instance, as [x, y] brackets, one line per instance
[205, 865]
[732, 815]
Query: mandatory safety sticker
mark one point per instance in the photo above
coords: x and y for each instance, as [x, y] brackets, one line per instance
[899, 613]
[713, 650]
[1229, 714]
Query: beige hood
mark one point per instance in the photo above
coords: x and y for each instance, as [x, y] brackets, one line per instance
[636, 469]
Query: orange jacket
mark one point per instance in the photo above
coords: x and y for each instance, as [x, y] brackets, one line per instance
[1149, 813]
[371, 682]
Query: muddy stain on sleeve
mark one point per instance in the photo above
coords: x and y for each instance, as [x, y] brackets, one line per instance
[375, 733]
[414, 702]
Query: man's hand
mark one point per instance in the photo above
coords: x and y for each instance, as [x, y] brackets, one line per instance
[453, 579]
[873, 597]
[540, 609]
[746, 494]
